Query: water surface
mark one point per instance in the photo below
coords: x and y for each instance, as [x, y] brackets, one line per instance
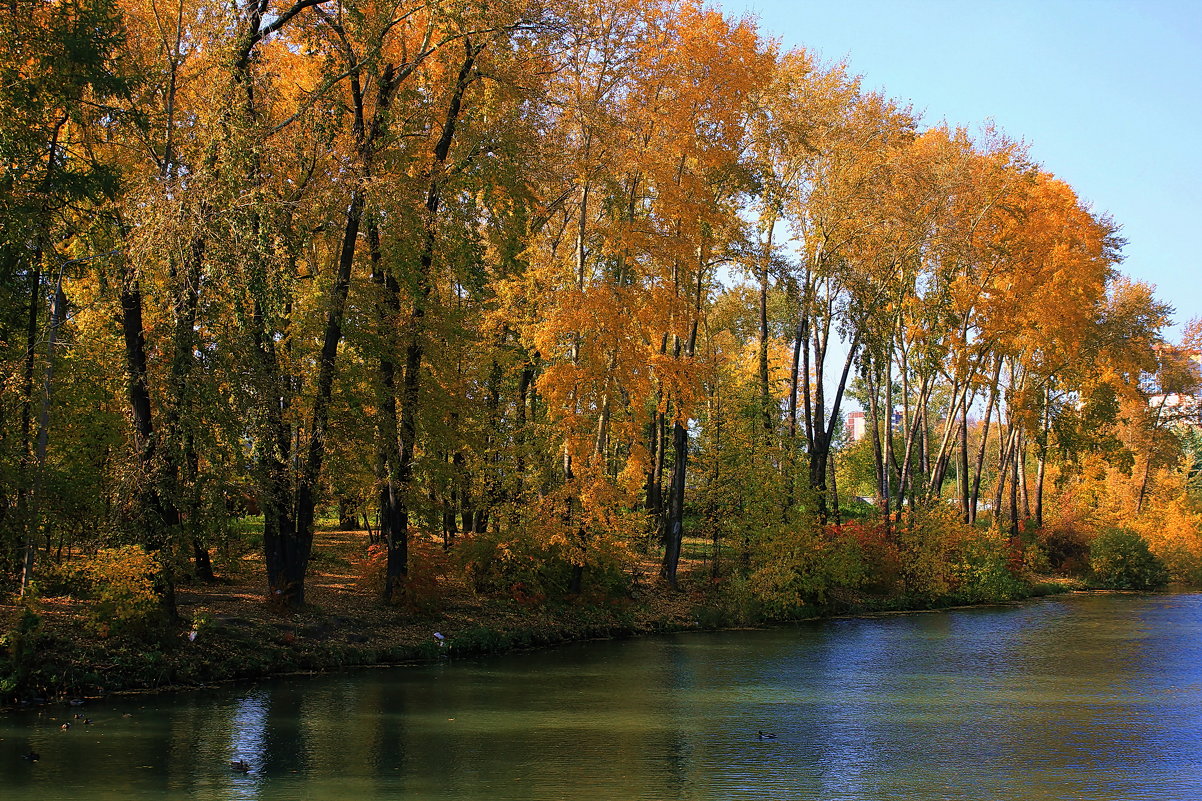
[1083, 697]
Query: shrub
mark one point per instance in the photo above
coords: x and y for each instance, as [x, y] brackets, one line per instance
[121, 582]
[876, 553]
[1065, 548]
[794, 567]
[980, 568]
[1172, 528]
[424, 589]
[513, 564]
[1120, 560]
[942, 557]
[534, 551]
[927, 542]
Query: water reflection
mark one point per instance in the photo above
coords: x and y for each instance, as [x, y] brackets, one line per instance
[248, 743]
[1085, 697]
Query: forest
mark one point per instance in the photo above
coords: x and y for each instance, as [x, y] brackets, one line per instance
[559, 289]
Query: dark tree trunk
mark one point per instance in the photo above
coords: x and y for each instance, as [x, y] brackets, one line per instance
[524, 382]
[415, 350]
[181, 462]
[297, 549]
[979, 467]
[491, 469]
[654, 490]
[821, 428]
[834, 500]
[800, 342]
[273, 456]
[963, 468]
[766, 410]
[675, 517]
[202, 562]
[657, 444]
[1046, 421]
[31, 343]
[25, 500]
[287, 509]
[680, 450]
[388, 312]
[157, 516]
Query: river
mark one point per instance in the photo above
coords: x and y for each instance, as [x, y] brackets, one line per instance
[1074, 697]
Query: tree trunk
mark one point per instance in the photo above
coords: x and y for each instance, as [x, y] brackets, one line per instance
[524, 382]
[1046, 422]
[766, 404]
[28, 515]
[1021, 459]
[57, 309]
[834, 499]
[657, 436]
[1006, 447]
[680, 449]
[980, 461]
[878, 452]
[800, 346]
[1143, 484]
[963, 471]
[415, 349]
[180, 456]
[388, 312]
[887, 456]
[1015, 456]
[821, 429]
[289, 585]
[157, 517]
[675, 517]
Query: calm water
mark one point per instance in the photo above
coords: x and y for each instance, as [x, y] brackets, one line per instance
[1069, 698]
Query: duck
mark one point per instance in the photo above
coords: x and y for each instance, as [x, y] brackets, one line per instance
[240, 765]
[65, 726]
[767, 736]
[32, 756]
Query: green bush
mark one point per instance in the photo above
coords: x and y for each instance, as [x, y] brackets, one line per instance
[795, 568]
[980, 569]
[532, 570]
[1120, 560]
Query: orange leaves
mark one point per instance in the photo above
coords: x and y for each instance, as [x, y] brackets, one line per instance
[1053, 271]
[651, 112]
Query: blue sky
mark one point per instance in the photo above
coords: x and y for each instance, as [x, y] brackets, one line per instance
[1107, 94]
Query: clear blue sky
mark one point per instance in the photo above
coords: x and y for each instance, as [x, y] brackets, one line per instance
[1107, 94]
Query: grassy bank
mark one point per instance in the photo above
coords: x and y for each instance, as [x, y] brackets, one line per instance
[53, 648]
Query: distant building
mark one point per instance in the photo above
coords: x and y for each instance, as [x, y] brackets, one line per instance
[1182, 408]
[856, 426]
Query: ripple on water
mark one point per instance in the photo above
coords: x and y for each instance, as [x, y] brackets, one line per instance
[1091, 698]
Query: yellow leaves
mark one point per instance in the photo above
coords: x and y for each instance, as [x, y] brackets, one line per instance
[1173, 528]
[121, 588]
[296, 73]
[1047, 275]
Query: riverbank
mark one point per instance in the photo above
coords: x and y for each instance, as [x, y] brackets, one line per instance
[228, 632]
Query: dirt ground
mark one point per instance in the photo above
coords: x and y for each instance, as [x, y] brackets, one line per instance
[344, 585]
[228, 630]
